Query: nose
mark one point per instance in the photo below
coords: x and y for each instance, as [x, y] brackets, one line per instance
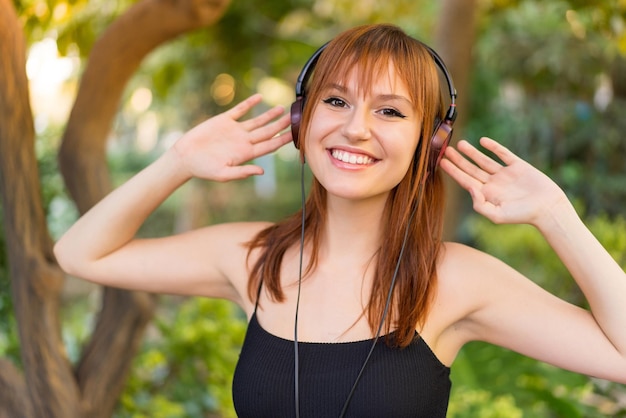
[357, 125]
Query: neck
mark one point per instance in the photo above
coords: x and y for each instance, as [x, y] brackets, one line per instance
[353, 227]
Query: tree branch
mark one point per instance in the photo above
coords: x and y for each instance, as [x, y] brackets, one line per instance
[115, 58]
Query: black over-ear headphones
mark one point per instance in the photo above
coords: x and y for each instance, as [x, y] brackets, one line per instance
[443, 128]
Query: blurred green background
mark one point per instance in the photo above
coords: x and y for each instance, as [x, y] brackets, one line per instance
[547, 80]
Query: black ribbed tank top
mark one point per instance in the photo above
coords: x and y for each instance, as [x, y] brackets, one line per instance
[397, 382]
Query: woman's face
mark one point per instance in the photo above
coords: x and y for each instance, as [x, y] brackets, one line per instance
[361, 141]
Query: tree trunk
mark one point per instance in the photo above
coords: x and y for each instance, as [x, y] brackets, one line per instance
[454, 38]
[618, 77]
[49, 387]
[35, 279]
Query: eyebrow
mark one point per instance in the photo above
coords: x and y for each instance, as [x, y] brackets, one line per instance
[384, 97]
[394, 97]
[335, 86]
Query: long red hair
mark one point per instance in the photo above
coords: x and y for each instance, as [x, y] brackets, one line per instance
[369, 49]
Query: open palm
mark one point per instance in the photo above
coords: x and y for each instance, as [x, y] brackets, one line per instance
[219, 148]
[509, 192]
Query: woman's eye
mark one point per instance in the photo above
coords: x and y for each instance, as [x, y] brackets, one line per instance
[335, 102]
[392, 113]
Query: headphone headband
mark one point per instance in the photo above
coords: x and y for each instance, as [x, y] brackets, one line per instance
[305, 73]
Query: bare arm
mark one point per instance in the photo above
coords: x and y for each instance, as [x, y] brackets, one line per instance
[101, 246]
[514, 312]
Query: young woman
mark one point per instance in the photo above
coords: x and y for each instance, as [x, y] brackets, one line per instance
[365, 259]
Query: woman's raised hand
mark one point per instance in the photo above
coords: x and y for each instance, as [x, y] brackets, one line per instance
[219, 148]
[513, 192]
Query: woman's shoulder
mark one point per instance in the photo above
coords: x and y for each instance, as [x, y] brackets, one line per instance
[235, 233]
[230, 239]
[455, 299]
[223, 250]
[470, 280]
[454, 266]
[237, 230]
[456, 257]
[463, 273]
[465, 268]
[464, 260]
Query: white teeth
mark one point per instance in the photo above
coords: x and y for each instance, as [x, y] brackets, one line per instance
[346, 157]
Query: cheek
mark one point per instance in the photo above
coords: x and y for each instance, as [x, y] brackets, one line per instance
[405, 148]
[318, 128]
[404, 155]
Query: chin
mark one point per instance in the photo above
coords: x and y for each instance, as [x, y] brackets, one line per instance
[356, 194]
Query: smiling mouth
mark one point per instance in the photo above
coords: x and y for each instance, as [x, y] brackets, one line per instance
[347, 157]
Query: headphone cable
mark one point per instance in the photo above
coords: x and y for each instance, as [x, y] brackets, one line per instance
[295, 325]
[387, 303]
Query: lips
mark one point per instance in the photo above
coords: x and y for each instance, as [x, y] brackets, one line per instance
[351, 158]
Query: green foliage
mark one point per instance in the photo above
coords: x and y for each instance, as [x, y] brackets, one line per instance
[540, 87]
[9, 344]
[483, 371]
[187, 364]
[59, 208]
[486, 372]
[76, 24]
[516, 48]
[78, 320]
[482, 404]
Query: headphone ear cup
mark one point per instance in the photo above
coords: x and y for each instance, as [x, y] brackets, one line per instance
[439, 142]
[296, 117]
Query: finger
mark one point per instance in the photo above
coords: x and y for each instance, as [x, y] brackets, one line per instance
[466, 166]
[472, 185]
[502, 152]
[469, 183]
[238, 172]
[271, 145]
[482, 160]
[244, 106]
[487, 209]
[269, 131]
[263, 118]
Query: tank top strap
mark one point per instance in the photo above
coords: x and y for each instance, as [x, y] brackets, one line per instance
[258, 295]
